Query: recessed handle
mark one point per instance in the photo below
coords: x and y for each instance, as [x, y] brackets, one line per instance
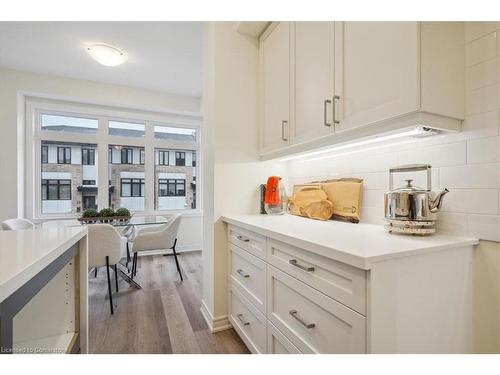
[241, 238]
[240, 318]
[242, 273]
[294, 263]
[295, 315]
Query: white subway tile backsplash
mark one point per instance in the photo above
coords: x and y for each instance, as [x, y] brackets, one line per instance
[480, 176]
[482, 74]
[481, 125]
[481, 100]
[475, 30]
[482, 49]
[372, 181]
[471, 201]
[486, 227]
[452, 223]
[419, 179]
[373, 198]
[442, 155]
[483, 150]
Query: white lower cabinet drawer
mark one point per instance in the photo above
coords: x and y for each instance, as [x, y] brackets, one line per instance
[248, 321]
[252, 242]
[249, 272]
[312, 321]
[337, 280]
[277, 343]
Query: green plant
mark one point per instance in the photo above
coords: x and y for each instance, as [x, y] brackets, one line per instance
[106, 212]
[122, 212]
[90, 212]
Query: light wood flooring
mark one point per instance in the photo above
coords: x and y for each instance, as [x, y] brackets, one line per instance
[162, 317]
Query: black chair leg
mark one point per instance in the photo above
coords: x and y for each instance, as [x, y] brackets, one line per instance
[128, 256]
[135, 268]
[176, 260]
[109, 285]
[95, 272]
[116, 278]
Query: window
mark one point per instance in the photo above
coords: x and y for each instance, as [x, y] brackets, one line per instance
[45, 154]
[132, 187]
[172, 188]
[163, 157]
[64, 155]
[127, 156]
[56, 190]
[70, 136]
[126, 129]
[177, 134]
[180, 158]
[142, 156]
[68, 124]
[88, 156]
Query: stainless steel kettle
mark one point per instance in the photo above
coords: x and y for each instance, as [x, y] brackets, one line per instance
[411, 203]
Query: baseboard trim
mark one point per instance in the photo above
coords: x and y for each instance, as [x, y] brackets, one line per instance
[217, 324]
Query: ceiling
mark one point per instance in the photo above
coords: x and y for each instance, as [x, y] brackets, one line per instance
[163, 56]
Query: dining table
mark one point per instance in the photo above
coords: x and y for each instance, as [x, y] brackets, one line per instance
[127, 228]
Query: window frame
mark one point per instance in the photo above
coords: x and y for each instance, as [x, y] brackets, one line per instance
[161, 156]
[44, 160]
[88, 149]
[172, 181]
[58, 184]
[183, 158]
[132, 181]
[30, 195]
[129, 151]
[66, 160]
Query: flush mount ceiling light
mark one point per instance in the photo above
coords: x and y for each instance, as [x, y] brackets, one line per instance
[106, 54]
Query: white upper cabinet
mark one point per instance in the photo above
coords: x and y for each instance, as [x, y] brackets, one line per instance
[380, 69]
[355, 79]
[313, 66]
[275, 86]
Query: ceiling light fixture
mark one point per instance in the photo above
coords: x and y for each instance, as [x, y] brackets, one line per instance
[106, 54]
[416, 132]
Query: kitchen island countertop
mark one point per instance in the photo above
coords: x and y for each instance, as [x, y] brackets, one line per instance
[359, 245]
[24, 253]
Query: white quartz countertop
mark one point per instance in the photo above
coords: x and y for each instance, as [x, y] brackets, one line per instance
[359, 245]
[24, 253]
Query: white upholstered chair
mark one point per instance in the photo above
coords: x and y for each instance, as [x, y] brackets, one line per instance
[17, 224]
[106, 248]
[153, 238]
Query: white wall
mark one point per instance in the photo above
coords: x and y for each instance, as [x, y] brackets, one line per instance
[232, 172]
[466, 163]
[13, 82]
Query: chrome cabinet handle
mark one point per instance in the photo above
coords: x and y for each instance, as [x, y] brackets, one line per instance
[283, 124]
[240, 317]
[242, 273]
[295, 315]
[294, 263]
[325, 109]
[241, 238]
[334, 114]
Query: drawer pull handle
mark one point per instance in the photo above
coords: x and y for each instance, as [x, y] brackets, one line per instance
[295, 315]
[240, 317]
[242, 273]
[294, 263]
[241, 238]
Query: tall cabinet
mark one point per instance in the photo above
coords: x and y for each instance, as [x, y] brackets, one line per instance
[275, 86]
[348, 80]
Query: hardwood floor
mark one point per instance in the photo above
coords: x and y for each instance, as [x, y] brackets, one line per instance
[162, 317]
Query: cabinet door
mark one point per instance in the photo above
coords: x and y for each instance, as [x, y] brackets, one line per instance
[275, 86]
[313, 52]
[380, 72]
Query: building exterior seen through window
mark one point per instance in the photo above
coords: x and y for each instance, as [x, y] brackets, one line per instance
[69, 181]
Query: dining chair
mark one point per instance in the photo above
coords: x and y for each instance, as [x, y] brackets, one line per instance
[106, 247]
[155, 239]
[17, 224]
